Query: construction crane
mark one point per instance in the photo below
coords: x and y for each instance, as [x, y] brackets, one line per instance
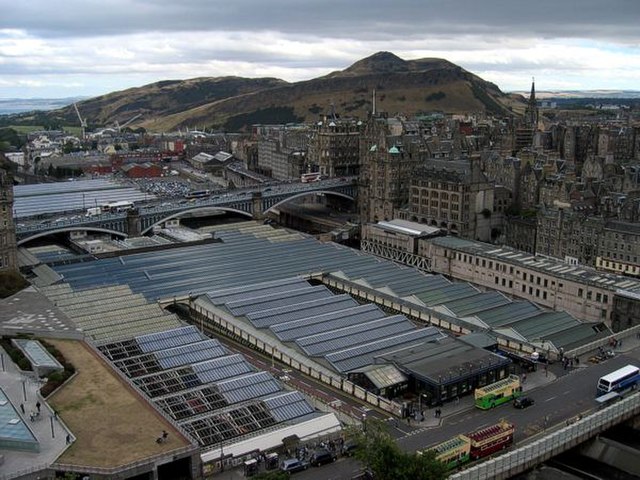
[128, 122]
[83, 122]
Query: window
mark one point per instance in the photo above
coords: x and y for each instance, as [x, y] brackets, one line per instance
[580, 292]
[589, 295]
[598, 297]
[605, 299]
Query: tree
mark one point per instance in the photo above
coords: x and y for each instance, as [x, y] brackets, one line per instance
[382, 456]
[11, 282]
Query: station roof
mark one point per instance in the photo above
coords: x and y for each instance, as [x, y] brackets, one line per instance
[30, 200]
[214, 395]
[446, 360]
[243, 262]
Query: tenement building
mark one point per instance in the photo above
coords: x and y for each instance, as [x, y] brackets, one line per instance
[335, 147]
[607, 244]
[456, 197]
[583, 292]
[8, 256]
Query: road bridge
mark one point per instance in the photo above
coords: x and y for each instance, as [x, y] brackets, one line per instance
[253, 203]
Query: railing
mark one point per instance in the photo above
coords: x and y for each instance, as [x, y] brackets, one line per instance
[604, 342]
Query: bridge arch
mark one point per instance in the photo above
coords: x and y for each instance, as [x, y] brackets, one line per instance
[305, 194]
[195, 209]
[70, 229]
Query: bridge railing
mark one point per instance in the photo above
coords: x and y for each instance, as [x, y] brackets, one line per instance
[540, 450]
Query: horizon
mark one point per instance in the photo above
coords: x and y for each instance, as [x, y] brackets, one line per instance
[53, 52]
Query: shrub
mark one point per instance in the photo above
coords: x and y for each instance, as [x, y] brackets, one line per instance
[435, 96]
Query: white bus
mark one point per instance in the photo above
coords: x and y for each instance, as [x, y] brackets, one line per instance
[116, 207]
[622, 379]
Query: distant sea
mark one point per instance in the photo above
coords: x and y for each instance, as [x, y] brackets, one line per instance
[19, 105]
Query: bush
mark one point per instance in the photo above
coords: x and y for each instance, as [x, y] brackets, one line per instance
[11, 282]
[435, 96]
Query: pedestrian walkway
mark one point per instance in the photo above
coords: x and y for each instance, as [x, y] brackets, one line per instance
[22, 390]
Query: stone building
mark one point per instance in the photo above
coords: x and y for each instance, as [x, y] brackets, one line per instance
[335, 147]
[8, 250]
[389, 156]
[581, 291]
[456, 197]
[609, 244]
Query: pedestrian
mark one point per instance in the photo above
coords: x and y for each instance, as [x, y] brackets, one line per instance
[38, 406]
[164, 434]
[619, 343]
[546, 371]
[524, 377]
[22, 408]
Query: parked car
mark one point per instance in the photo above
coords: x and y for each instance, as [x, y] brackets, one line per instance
[322, 456]
[292, 465]
[349, 447]
[523, 402]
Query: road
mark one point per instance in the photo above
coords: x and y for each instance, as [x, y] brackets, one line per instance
[570, 395]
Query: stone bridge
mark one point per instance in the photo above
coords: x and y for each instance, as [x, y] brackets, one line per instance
[251, 203]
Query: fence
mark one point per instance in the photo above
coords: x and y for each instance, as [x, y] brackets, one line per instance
[538, 451]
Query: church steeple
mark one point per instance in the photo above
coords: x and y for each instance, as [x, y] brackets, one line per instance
[531, 113]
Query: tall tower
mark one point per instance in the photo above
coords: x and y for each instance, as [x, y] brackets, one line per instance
[531, 112]
[8, 249]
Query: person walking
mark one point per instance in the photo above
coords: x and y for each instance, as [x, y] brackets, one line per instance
[38, 406]
[22, 408]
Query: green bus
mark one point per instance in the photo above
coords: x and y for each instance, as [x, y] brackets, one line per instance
[497, 393]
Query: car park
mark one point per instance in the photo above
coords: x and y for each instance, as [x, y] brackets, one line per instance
[292, 465]
[523, 402]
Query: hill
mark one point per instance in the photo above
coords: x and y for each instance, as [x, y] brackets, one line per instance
[232, 103]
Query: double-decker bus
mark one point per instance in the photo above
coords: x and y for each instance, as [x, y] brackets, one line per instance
[491, 439]
[116, 207]
[453, 452]
[622, 379]
[310, 177]
[471, 446]
[497, 393]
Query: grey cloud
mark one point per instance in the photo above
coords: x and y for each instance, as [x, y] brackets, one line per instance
[362, 19]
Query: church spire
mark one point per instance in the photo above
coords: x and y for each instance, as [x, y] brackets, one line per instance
[532, 97]
[531, 113]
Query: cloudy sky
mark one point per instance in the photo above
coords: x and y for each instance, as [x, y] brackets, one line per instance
[61, 48]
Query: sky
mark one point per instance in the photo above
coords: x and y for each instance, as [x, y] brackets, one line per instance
[66, 48]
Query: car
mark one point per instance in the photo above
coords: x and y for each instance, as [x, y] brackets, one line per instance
[292, 465]
[349, 447]
[322, 456]
[523, 402]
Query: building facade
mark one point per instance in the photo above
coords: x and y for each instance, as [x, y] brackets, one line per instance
[335, 147]
[456, 197]
[582, 292]
[8, 250]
